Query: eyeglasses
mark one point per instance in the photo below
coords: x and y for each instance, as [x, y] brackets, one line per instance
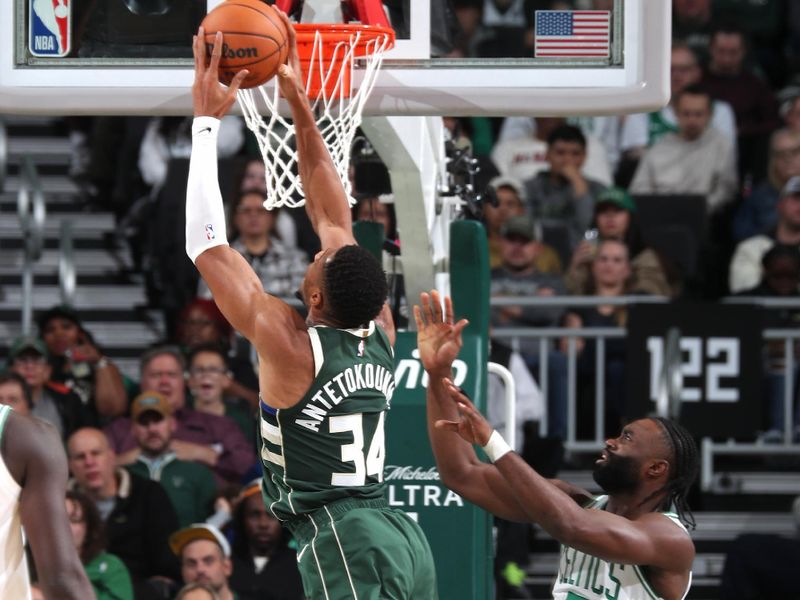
[199, 371]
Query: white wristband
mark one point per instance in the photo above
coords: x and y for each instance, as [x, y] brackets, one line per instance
[496, 447]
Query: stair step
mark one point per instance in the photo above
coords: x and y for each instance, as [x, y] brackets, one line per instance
[51, 184]
[98, 296]
[40, 148]
[109, 334]
[85, 224]
[88, 262]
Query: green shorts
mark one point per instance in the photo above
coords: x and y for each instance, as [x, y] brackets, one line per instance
[362, 549]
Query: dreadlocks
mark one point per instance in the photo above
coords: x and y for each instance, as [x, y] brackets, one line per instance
[355, 286]
[683, 469]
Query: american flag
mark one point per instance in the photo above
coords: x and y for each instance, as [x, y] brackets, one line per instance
[573, 34]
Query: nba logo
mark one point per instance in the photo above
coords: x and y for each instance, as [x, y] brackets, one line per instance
[361, 347]
[50, 27]
[210, 235]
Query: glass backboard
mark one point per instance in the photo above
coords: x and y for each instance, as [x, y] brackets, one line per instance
[134, 57]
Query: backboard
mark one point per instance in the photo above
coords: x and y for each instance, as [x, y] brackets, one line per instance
[133, 57]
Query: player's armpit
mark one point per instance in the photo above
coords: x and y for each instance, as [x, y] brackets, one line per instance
[580, 495]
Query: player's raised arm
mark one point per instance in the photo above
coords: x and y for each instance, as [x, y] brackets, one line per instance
[236, 288]
[326, 201]
[652, 539]
[439, 342]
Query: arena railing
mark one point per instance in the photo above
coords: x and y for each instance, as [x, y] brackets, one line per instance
[3, 155]
[709, 448]
[67, 278]
[31, 212]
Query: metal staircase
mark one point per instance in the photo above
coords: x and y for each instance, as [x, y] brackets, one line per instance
[108, 296]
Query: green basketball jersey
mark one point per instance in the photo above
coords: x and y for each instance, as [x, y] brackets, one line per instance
[330, 445]
[582, 576]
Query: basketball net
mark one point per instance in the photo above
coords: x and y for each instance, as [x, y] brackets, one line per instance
[328, 56]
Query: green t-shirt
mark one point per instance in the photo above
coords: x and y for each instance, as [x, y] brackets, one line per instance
[109, 577]
[330, 445]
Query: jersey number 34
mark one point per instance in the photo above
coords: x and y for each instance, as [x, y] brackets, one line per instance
[372, 464]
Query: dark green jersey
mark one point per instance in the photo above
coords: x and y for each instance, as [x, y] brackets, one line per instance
[330, 445]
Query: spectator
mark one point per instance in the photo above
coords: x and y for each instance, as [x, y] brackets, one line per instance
[108, 574]
[562, 193]
[521, 149]
[518, 277]
[790, 108]
[750, 96]
[167, 138]
[79, 364]
[52, 402]
[201, 322]
[208, 439]
[14, 392]
[253, 176]
[691, 23]
[380, 209]
[264, 565]
[757, 213]
[137, 512]
[610, 276]
[511, 203]
[197, 591]
[280, 266]
[615, 219]
[746, 267]
[205, 557]
[696, 160]
[208, 378]
[189, 485]
[685, 71]
[781, 279]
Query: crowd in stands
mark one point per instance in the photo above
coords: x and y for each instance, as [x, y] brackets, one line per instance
[161, 493]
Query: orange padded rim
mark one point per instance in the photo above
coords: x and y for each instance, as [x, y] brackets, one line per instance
[335, 33]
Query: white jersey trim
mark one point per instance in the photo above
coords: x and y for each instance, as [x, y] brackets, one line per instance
[316, 559]
[316, 348]
[341, 551]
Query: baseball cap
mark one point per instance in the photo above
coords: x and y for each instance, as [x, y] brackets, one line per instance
[792, 187]
[150, 401]
[617, 197]
[61, 311]
[509, 182]
[24, 343]
[520, 226]
[198, 531]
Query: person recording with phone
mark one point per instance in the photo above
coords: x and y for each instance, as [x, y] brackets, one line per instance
[615, 219]
[79, 364]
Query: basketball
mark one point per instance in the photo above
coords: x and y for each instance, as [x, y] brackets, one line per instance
[254, 38]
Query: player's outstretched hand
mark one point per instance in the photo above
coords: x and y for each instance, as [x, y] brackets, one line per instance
[471, 425]
[210, 97]
[438, 336]
[289, 74]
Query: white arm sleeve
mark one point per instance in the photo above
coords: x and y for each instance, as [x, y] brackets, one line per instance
[205, 214]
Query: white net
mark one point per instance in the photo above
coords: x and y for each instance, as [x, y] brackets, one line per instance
[338, 109]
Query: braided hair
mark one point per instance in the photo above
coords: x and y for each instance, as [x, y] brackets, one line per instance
[684, 467]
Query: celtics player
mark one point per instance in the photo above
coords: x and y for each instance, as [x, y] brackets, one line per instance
[325, 382]
[627, 544]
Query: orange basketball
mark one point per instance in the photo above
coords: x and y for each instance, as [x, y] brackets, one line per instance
[254, 38]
